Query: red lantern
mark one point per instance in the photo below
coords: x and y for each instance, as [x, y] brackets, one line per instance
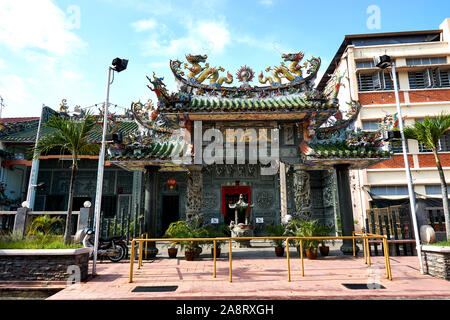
[171, 182]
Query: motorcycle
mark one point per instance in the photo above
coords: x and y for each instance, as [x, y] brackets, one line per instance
[114, 248]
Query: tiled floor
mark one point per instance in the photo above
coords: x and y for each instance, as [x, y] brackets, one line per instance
[258, 274]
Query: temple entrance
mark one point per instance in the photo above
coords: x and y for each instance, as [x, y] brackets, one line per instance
[230, 195]
[170, 211]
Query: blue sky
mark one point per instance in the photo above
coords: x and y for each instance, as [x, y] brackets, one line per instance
[54, 50]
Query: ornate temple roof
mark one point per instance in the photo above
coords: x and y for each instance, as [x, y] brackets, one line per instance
[149, 131]
[287, 93]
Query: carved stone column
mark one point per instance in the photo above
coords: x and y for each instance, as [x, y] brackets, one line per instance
[302, 193]
[194, 193]
[345, 207]
[150, 207]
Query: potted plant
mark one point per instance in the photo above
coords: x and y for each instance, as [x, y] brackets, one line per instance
[175, 230]
[220, 232]
[277, 231]
[325, 230]
[184, 229]
[307, 229]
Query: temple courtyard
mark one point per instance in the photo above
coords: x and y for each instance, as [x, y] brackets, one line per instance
[258, 274]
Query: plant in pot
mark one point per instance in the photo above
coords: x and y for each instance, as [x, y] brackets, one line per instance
[175, 230]
[277, 231]
[325, 230]
[307, 229]
[217, 232]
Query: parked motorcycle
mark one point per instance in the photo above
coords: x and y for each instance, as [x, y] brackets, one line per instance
[114, 248]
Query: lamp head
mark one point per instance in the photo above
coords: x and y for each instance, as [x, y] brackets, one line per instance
[119, 64]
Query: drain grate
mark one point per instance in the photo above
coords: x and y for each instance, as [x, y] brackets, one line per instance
[155, 289]
[363, 286]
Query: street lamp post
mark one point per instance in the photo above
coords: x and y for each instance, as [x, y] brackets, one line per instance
[117, 65]
[32, 183]
[384, 62]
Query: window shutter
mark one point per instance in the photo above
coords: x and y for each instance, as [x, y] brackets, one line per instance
[427, 79]
[376, 81]
[435, 78]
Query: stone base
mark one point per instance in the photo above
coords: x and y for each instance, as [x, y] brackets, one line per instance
[436, 261]
[152, 251]
[347, 248]
[43, 265]
[241, 230]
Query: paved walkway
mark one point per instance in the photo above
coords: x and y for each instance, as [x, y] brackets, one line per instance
[258, 274]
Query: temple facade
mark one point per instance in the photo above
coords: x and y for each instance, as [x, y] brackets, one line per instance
[284, 146]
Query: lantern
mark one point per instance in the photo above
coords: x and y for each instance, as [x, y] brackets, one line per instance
[171, 182]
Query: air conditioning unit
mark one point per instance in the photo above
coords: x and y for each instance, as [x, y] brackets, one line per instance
[392, 135]
[382, 62]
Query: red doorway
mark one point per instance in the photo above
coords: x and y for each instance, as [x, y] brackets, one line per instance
[231, 195]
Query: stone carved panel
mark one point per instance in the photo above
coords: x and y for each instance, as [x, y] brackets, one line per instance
[194, 192]
[302, 194]
[264, 199]
[210, 200]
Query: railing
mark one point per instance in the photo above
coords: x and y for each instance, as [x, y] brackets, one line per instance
[8, 218]
[394, 222]
[365, 237]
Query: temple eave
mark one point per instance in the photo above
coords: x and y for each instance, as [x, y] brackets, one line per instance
[355, 163]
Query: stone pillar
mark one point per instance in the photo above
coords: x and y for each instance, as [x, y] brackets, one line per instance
[345, 207]
[283, 193]
[20, 222]
[136, 200]
[150, 208]
[83, 218]
[302, 193]
[194, 194]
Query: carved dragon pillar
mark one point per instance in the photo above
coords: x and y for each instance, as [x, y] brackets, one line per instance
[194, 192]
[302, 193]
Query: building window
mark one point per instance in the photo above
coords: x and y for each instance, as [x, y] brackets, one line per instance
[444, 144]
[371, 125]
[365, 64]
[389, 190]
[397, 147]
[425, 61]
[375, 81]
[433, 189]
[429, 78]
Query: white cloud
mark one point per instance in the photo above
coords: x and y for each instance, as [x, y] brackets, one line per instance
[37, 24]
[13, 90]
[201, 37]
[2, 64]
[143, 25]
[267, 3]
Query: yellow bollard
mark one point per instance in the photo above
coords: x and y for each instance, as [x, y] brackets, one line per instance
[354, 245]
[131, 261]
[288, 261]
[146, 243]
[229, 255]
[368, 251]
[365, 250]
[141, 247]
[214, 258]
[301, 257]
[386, 255]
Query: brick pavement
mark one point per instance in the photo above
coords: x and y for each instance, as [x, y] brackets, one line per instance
[258, 274]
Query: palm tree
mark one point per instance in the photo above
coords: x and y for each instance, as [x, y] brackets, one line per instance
[428, 134]
[72, 136]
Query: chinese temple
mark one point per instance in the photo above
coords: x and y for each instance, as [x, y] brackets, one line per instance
[284, 146]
